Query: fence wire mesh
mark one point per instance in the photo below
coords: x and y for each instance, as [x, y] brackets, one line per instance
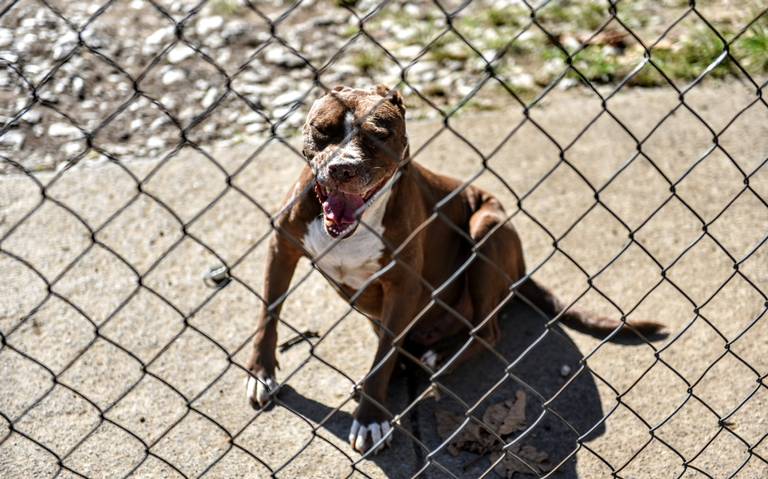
[132, 287]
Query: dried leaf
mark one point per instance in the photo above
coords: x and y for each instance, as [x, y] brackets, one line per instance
[508, 416]
[503, 419]
[447, 422]
[536, 462]
[471, 438]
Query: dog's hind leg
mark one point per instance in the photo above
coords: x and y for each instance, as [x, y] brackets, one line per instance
[497, 262]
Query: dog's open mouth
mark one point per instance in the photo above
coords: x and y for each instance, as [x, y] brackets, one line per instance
[340, 209]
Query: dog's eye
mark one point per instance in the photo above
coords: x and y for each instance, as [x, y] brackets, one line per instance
[379, 133]
[324, 131]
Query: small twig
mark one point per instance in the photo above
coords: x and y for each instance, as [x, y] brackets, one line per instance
[291, 342]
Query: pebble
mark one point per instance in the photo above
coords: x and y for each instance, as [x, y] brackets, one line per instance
[207, 25]
[255, 128]
[158, 122]
[72, 148]
[283, 58]
[9, 57]
[172, 76]
[565, 370]
[155, 143]
[32, 117]
[288, 98]
[6, 37]
[78, 87]
[179, 53]
[168, 101]
[13, 138]
[251, 117]
[210, 97]
[159, 36]
[64, 130]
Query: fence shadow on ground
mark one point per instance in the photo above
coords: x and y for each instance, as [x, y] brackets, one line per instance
[541, 369]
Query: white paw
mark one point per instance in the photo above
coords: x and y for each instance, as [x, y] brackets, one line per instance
[380, 434]
[429, 359]
[260, 390]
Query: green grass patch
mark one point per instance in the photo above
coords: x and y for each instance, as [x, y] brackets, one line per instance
[505, 17]
[367, 60]
[596, 65]
[573, 15]
[751, 49]
[226, 8]
[447, 48]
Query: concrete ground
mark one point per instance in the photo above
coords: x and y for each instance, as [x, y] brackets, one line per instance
[687, 405]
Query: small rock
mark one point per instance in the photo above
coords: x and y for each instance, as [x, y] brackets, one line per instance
[565, 370]
[158, 122]
[288, 98]
[283, 58]
[60, 86]
[179, 53]
[523, 80]
[168, 101]
[159, 36]
[173, 76]
[49, 97]
[210, 96]
[9, 57]
[234, 29]
[136, 124]
[13, 138]
[281, 111]
[155, 143]
[32, 117]
[207, 25]
[72, 148]
[567, 83]
[63, 130]
[255, 128]
[249, 118]
[78, 87]
[6, 37]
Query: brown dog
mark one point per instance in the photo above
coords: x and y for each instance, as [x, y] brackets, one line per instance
[428, 261]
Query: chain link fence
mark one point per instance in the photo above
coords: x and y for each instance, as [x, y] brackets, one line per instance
[145, 150]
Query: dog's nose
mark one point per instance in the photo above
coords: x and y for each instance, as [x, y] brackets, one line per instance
[341, 172]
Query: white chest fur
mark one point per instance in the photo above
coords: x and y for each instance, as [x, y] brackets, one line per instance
[352, 260]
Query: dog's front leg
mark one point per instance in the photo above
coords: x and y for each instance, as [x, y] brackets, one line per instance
[282, 258]
[372, 419]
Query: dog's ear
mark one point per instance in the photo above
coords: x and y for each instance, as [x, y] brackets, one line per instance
[394, 97]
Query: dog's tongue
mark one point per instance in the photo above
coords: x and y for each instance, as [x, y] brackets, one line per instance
[340, 207]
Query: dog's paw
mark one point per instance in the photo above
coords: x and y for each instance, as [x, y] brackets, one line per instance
[259, 390]
[376, 436]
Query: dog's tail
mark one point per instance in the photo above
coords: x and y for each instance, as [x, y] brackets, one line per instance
[583, 322]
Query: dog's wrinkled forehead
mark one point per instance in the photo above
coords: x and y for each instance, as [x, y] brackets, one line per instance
[343, 104]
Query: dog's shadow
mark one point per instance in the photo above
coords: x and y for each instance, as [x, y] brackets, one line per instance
[550, 361]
